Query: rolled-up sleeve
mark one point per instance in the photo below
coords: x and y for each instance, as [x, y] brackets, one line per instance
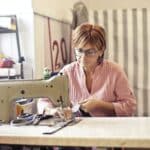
[125, 104]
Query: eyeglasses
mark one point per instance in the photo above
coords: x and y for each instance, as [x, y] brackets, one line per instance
[88, 52]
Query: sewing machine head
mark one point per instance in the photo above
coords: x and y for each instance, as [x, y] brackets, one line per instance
[55, 88]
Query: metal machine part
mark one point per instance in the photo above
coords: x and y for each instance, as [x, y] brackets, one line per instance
[55, 88]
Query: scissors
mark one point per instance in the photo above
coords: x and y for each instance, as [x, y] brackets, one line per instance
[26, 119]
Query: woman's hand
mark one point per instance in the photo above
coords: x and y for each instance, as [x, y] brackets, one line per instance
[90, 105]
[65, 113]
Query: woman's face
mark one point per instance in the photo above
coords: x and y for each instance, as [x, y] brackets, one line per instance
[87, 56]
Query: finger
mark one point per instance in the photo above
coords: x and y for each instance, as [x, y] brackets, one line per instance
[84, 101]
[83, 107]
[67, 113]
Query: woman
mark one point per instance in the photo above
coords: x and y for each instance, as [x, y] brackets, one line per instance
[100, 86]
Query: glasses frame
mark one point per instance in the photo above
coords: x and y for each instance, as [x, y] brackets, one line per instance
[86, 52]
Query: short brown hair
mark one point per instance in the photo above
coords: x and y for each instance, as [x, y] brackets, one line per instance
[88, 33]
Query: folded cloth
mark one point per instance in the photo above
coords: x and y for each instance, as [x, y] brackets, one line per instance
[6, 63]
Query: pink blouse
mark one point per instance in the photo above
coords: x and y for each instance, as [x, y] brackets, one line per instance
[109, 84]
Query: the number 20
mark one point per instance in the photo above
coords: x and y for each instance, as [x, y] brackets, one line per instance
[60, 53]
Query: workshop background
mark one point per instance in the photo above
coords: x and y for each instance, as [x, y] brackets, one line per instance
[45, 29]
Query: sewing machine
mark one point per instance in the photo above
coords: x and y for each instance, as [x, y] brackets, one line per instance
[55, 88]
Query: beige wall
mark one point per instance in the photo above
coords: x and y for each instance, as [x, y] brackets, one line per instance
[31, 44]
[59, 9]
[101, 4]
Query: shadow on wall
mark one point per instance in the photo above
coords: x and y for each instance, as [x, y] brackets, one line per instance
[80, 14]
